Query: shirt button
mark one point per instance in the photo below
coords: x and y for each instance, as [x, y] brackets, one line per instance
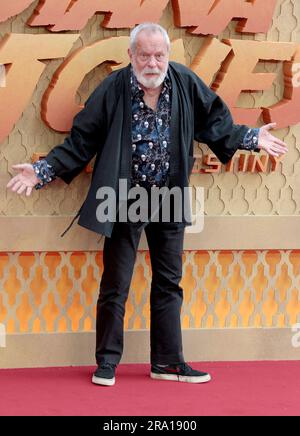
[136, 117]
[146, 124]
[133, 147]
[141, 104]
[136, 167]
[144, 177]
[152, 167]
[160, 121]
[167, 165]
[139, 137]
[143, 157]
[165, 144]
[151, 144]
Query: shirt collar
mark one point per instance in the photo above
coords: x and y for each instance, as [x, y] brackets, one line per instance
[136, 88]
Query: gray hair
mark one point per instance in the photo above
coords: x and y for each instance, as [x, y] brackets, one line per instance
[150, 27]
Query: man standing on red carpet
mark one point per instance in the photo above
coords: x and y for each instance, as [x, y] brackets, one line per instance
[141, 123]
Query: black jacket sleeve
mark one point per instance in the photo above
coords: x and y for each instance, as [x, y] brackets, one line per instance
[213, 123]
[84, 141]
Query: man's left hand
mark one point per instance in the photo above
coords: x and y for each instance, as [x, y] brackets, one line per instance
[269, 143]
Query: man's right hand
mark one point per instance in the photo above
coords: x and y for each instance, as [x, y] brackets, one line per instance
[25, 180]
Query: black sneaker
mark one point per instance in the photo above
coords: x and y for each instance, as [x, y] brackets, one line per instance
[179, 372]
[104, 374]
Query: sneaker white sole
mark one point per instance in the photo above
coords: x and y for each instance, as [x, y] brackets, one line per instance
[103, 381]
[181, 378]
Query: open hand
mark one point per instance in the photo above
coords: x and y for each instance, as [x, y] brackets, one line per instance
[270, 143]
[25, 180]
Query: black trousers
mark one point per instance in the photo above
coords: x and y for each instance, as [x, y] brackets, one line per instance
[165, 241]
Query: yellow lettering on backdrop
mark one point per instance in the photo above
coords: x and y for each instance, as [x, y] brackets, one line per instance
[22, 56]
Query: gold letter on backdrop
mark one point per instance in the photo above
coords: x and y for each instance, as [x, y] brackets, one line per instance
[22, 55]
[237, 76]
[209, 59]
[211, 17]
[287, 111]
[74, 15]
[10, 8]
[47, 13]
[58, 106]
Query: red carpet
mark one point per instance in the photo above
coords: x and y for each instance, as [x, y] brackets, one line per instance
[237, 388]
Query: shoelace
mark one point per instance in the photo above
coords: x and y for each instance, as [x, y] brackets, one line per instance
[107, 365]
[185, 367]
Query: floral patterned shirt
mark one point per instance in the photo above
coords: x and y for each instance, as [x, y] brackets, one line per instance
[150, 137]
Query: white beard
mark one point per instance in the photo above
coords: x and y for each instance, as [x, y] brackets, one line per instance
[153, 82]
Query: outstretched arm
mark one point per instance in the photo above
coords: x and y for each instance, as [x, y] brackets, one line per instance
[214, 126]
[68, 159]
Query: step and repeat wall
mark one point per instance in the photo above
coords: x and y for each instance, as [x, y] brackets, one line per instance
[242, 272]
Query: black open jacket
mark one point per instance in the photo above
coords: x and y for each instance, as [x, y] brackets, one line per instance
[103, 128]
